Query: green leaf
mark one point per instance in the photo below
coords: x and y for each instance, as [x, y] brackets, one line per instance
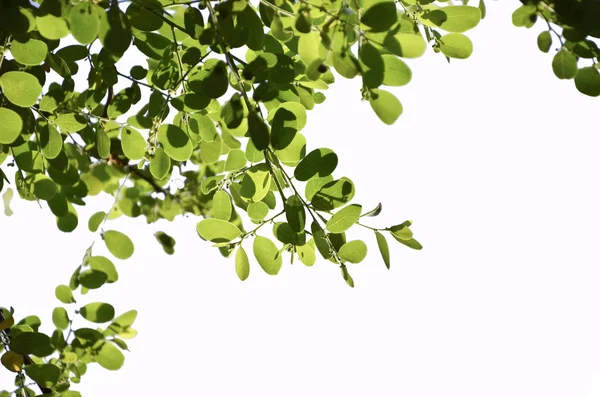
[412, 243]
[104, 265]
[293, 153]
[296, 109]
[44, 188]
[353, 251]
[31, 343]
[204, 125]
[314, 185]
[456, 45]
[564, 64]
[118, 244]
[95, 221]
[20, 88]
[30, 52]
[587, 81]
[92, 279]
[50, 141]
[383, 248]
[333, 195]
[98, 312]
[60, 318]
[133, 143]
[68, 222]
[405, 45]
[373, 66]
[10, 125]
[109, 357]
[308, 47]
[386, 106]
[211, 80]
[295, 213]
[454, 19]
[401, 231]
[525, 16]
[242, 264]
[71, 122]
[235, 160]
[45, 375]
[320, 162]
[258, 131]
[482, 8]
[306, 253]
[50, 21]
[125, 320]
[347, 276]
[222, 207]
[217, 230]
[12, 362]
[233, 112]
[256, 182]
[257, 211]
[284, 233]
[83, 21]
[114, 30]
[175, 142]
[167, 242]
[102, 143]
[395, 71]
[278, 29]
[344, 218]
[380, 16]
[63, 293]
[544, 41]
[267, 255]
[160, 163]
[211, 151]
[142, 18]
[374, 212]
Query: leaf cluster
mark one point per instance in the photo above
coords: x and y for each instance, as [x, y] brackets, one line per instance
[573, 27]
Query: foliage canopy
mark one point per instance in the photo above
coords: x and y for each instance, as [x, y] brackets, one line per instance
[219, 97]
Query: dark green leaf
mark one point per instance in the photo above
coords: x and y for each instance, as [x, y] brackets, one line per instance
[98, 312]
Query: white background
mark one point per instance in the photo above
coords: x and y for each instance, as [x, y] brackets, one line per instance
[497, 163]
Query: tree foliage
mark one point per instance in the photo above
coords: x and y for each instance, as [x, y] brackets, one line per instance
[575, 25]
[218, 97]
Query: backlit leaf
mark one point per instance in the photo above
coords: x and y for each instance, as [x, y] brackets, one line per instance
[222, 207]
[456, 45]
[10, 125]
[564, 64]
[386, 106]
[454, 19]
[217, 230]
[175, 142]
[344, 219]
[242, 264]
[160, 163]
[319, 162]
[353, 251]
[267, 255]
[587, 81]
[20, 88]
[63, 293]
[109, 357]
[60, 318]
[118, 244]
[98, 312]
[133, 143]
[383, 248]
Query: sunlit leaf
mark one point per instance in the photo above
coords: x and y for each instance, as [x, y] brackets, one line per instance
[119, 244]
